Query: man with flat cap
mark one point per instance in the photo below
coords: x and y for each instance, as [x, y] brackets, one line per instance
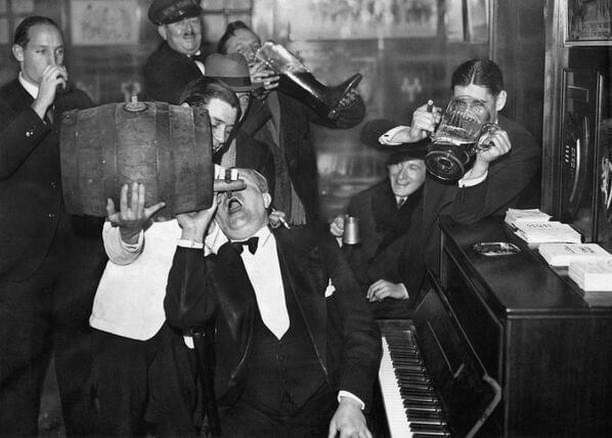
[388, 213]
[178, 60]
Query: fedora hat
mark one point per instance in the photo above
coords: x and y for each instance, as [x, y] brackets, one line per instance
[231, 69]
[373, 129]
[171, 11]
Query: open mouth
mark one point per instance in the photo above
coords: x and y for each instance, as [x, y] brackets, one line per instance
[233, 205]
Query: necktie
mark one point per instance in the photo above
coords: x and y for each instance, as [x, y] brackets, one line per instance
[400, 202]
[250, 243]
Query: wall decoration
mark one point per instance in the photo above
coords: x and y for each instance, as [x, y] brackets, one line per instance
[4, 31]
[588, 22]
[359, 19]
[22, 6]
[104, 22]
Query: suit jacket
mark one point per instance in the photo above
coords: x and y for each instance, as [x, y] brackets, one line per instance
[31, 205]
[166, 73]
[383, 229]
[297, 162]
[216, 290]
[253, 154]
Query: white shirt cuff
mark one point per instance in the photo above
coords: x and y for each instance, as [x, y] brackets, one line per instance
[387, 137]
[350, 395]
[132, 247]
[189, 244]
[406, 294]
[467, 181]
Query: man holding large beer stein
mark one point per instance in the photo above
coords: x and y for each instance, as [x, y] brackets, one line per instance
[282, 121]
[503, 169]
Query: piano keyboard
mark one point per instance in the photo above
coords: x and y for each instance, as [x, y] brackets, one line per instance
[412, 408]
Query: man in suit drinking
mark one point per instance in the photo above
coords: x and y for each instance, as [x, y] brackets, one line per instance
[297, 351]
[46, 282]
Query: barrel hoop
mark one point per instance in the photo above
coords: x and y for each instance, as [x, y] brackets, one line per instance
[164, 156]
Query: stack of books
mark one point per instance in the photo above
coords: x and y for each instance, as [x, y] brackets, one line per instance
[516, 215]
[535, 233]
[592, 275]
[562, 254]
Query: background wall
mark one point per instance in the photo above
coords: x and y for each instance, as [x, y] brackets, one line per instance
[405, 49]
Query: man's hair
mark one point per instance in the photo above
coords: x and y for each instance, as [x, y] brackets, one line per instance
[479, 71]
[260, 181]
[200, 92]
[230, 31]
[22, 33]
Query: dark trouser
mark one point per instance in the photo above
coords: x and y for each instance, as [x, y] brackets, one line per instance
[44, 314]
[121, 382]
[311, 420]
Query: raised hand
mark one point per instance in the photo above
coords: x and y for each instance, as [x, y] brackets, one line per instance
[52, 76]
[132, 215]
[496, 144]
[195, 224]
[337, 226]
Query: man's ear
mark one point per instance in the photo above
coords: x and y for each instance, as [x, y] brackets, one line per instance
[267, 199]
[162, 31]
[500, 100]
[17, 52]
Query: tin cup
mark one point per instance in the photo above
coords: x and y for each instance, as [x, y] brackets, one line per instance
[351, 231]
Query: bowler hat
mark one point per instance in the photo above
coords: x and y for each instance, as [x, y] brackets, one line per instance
[232, 70]
[171, 11]
[373, 129]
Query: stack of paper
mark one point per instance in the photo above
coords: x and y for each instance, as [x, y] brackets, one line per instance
[592, 275]
[562, 254]
[542, 232]
[515, 216]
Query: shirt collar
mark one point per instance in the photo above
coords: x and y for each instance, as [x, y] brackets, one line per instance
[215, 239]
[28, 86]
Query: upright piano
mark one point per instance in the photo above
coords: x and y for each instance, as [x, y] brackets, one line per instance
[499, 346]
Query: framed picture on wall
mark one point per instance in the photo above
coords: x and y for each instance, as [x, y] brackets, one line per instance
[588, 23]
[104, 22]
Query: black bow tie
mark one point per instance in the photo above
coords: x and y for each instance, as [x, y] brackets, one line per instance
[251, 243]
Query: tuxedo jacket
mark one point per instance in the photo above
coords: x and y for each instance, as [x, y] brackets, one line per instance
[297, 163]
[31, 205]
[166, 73]
[216, 290]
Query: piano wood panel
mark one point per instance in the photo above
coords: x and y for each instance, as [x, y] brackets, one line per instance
[555, 349]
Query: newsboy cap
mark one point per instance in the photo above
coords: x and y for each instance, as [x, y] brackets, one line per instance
[171, 11]
[232, 70]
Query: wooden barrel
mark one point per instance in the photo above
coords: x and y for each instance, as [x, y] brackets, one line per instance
[166, 147]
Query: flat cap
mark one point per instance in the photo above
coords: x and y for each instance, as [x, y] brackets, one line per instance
[171, 11]
[232, 70]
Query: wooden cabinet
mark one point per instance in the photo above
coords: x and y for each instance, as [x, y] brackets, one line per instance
[547, 346]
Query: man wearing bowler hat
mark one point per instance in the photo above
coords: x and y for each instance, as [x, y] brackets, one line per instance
[387, 212]
[178, 60]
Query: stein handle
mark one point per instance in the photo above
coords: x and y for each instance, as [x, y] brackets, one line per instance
[485, 132]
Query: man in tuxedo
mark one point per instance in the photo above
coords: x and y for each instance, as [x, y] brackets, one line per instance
[386, 212]
[50, 262]
[297, 352]
[178, 60]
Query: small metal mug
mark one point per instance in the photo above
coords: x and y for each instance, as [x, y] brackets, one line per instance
[351, 231]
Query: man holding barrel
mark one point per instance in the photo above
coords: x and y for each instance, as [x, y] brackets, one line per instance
[46, 282]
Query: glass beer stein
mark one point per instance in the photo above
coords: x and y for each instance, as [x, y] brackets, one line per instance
[297, 81]
[464, 129]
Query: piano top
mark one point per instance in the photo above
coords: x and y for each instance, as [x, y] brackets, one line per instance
[517, 285]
